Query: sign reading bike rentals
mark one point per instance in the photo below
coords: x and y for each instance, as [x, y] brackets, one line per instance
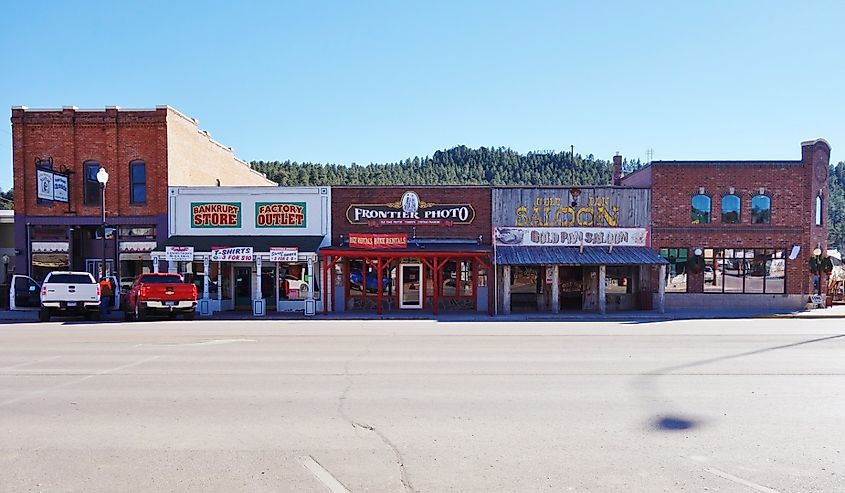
[358, 240]
[410, 211]
[179, 253]
[571, 236]
[232, 254]
[215, 214]
[280, 214]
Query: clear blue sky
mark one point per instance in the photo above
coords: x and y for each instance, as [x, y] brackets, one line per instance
[358, 81]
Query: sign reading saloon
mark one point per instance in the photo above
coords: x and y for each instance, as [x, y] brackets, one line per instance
[571, 236]
[280, 215]
[410, 211]
[215, 214]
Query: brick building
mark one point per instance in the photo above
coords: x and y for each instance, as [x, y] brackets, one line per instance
[57, 154]
[739, 233]
[409, 248]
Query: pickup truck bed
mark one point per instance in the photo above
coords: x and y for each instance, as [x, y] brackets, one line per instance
[73, 293]
[161, 294]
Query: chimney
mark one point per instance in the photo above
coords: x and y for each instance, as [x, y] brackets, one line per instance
[617, 170]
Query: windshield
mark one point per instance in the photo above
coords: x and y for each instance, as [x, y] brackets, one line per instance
[161, 280]
[71, 279]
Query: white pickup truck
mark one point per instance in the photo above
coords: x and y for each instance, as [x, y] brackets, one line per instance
[69, 292]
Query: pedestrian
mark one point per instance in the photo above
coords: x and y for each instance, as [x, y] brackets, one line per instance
[105, 296]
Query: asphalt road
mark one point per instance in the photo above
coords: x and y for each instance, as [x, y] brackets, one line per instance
[732, 405]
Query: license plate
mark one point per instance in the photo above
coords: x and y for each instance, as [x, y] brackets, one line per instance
[169, 303]
[71, 303]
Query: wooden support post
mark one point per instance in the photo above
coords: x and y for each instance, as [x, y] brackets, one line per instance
[555, 288]
[602, 289]
[435, 276]
[661, 290]
[506, 289]
[325, 285]
[378, 288]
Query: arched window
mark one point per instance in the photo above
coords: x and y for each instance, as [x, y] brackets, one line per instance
[761, 209]
[701, 209]
[731, 205]
[819, 210]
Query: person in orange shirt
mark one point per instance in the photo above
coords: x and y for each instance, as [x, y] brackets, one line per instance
[106, 293]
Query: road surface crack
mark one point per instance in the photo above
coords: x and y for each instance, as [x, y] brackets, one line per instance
[341, 409]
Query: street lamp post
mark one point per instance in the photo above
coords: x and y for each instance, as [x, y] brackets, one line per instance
[103, 179]
[818, 254]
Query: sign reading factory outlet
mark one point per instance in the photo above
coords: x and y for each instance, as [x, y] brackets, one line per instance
[215, 214]
[284, 254]
[410, 211]
[179, 253]
[280, 214]
[232, 254]
[571, 236]
[358, 240]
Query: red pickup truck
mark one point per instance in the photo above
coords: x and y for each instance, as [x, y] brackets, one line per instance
[160, 294]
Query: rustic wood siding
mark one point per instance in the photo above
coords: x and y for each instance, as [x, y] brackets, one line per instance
[634, 206]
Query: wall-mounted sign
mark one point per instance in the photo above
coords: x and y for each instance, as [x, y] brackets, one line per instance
[357, 240]
[284, 254]
[215, 214]
[553, 212]
[410, 211]
[280, 215]
[179, 253]
[60, 188]
[232, 254]
[50, 184]
[45, 184]
[571, 236]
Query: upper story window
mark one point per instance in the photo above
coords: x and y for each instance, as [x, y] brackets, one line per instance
[701, 209]
[91, 185]
[138, 178]
[761, 209]
[731, 205]
[819, 203]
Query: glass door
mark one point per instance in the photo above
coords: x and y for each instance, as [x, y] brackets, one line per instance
[243, 287]
[410, 277]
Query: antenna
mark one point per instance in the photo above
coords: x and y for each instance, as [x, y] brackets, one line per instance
[649, 155]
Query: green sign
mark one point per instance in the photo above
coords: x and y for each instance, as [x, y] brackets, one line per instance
[280, 215]
[215, 214]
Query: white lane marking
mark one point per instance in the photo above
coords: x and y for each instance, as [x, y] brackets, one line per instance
[21, 365]
[36, 393]
[735, 479]
[213, 342]
[322, 474]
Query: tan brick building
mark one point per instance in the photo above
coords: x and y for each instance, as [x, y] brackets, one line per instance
[144, 151]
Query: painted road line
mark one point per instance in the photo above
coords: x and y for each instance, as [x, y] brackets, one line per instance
[738, 480]
[322, 474]
[21, 365]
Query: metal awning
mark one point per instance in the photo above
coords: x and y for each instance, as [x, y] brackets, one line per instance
[305, 244]
[566, 255]
[137, 246]
[49, 247]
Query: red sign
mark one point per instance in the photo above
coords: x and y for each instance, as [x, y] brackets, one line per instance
[358, 240]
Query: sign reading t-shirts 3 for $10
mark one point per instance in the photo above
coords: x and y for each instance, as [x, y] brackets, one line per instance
[232, 254]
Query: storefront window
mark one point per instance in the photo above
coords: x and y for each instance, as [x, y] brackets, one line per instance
[619, 279]
[357, 272]
[213, 287]
[146, 232]
[44, 263]
[293, 284]
[676, 271]
[748, 270]
[456, 279]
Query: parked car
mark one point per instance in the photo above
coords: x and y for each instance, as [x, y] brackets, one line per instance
[160, 294]
[126, 284]
[708, 274]
[356, 280]
[75, 293]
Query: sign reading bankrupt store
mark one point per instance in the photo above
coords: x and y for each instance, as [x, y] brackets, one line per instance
[215, 215]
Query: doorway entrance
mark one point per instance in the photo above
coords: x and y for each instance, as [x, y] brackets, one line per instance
[94, 266]
[571, 287]
[410, 279]
[243, 288]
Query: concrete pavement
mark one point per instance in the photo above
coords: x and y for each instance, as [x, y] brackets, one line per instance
[726, 405]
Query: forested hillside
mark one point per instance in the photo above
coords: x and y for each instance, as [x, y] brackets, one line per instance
[496, 166]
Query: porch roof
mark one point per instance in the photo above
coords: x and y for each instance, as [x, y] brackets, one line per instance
[568, 255]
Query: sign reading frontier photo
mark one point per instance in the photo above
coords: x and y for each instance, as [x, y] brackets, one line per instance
[410, 211]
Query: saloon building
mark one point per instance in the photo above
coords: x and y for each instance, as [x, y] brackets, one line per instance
[740, 233]
[58, 155]
[409, 248]
[248, 248]
[572, 249]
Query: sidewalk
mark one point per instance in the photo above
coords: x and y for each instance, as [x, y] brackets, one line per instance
[633, 316]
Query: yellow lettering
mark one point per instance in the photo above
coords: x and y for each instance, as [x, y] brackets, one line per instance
[611, 217]
[579, 217]
[522, 216]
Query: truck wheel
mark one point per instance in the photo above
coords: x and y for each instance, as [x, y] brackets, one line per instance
[44, 315]
[190, 315]
[140, 313]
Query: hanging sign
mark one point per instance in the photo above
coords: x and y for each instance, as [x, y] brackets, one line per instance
[232, 254]
[215, 214]
[280, 215]
[179, 253]
[571, 236]
[410, 211]
[358, 240]
[45, 184]
[284, 254]
[60, 188]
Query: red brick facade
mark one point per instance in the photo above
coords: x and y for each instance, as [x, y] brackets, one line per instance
[478, 197]
[792, 185]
